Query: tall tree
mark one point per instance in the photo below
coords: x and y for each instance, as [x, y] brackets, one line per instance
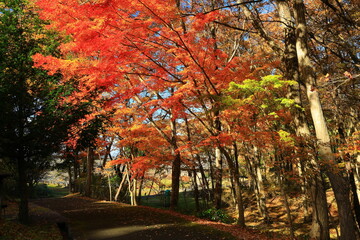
[33, 122]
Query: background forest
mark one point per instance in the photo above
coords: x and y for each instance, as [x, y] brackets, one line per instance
[238, 102]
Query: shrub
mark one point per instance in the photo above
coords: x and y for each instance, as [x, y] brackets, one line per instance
[40, 191]
[217, 215]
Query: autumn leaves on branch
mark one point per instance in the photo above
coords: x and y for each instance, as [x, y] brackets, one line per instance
[175, 79]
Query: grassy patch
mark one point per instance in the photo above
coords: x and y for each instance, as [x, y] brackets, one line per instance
[56, 191]
[186, 204]
[48, 191]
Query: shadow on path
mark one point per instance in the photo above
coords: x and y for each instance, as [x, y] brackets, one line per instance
[96, 220]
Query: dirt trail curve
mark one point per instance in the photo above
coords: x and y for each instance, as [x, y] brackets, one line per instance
[93, 220]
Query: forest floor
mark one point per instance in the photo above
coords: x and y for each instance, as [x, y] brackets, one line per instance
[92, 219]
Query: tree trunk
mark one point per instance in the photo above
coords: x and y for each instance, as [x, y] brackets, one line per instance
[107, 153]
[261, 193]
[355, 198]
[175, 173]
[212, 175]
[24, 190]
[124, 176]
[196, 190]
[320, 221]
[175, 181]
[89, 171]
[133, 193]
[110, 190]
[205, 183]
[140, 190]
[287, 207]
[71, 180]
[304, 191]
[76, 172]
[218, 178]
[255, 174]
[339, 184]
[238, 190]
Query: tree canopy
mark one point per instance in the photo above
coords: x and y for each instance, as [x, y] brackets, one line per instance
[217, 89]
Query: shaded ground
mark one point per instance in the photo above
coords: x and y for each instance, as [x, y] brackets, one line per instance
[42, 226]
[91, 219]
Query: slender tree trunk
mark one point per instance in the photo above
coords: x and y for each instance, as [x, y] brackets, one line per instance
[355, 198]
[71, 180]
[212, 175]
[320, 226]
[175, 183]
[76, 172]
[287, 207]
[124, 176]
[338, 182]
[89, 171]
[140, 190]
[107, 153]
[133, 193]
[24, 190]
[356, 173]
[218, 178]
[175, 176]
[110, 189]
[262, 193]
[130, 190]
[238, 189]
[233, 191]
[205, 182]
[152, 185]
[255, 174]
[218, 174]
[196, 190]
[304, 190]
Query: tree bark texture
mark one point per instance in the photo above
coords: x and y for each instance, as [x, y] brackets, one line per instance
[307, 73]
[320, 221]
[218, 178]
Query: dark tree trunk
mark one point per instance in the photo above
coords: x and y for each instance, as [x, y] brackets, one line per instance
[212, 175]
[71, 180]
[234, 171]
[24, 190]
[342, 196]
[355, 198]
[76, 172]
[140, 190]
[196, 190]
[287, 207]
[89, 171]
[176, 164]
[175, 183]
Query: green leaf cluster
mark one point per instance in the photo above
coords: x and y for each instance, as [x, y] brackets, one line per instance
[248, 92]
[286, 137]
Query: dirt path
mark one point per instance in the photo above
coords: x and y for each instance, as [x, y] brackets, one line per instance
[94, 220]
